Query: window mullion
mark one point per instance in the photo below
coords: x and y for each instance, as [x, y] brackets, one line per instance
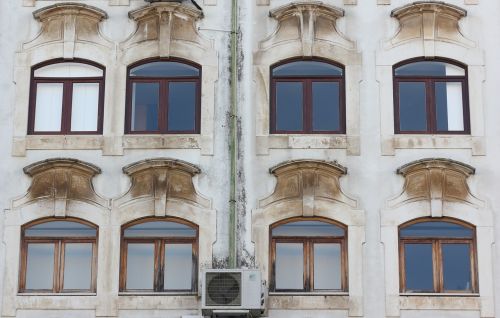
[431, 107]
[58, 266]
[66, 107]
[307, 278]
[307, 105]
[438, 267]
[162, 107]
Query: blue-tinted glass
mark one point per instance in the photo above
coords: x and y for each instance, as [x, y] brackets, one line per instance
[412, 107]
[181, 106]
[289, 266]
[456, 267]
[419, 268]
[60, 229]
[437, 229]
[40, 266]
[449, 106]
[429, 68]
[289, 106]
[145, 100]
[307, 68]
[165, 69]
[160, 229]
[327, 266]
[308, 228]
[326, 106]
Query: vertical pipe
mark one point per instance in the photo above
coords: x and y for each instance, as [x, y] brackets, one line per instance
[233, 138]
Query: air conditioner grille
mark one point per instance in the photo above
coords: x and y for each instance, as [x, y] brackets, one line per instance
[223, 289]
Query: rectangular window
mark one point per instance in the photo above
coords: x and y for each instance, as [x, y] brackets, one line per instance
[289, 106]
[178, 267]
[145, 106]
[456, 267]
[327, 266]
[77, 266]
[326, 106]
[182, 106]
[419, 267]
[412, 106]
[449, 106]
[49, 103]
[289, 266]
[85, 107]
[40, 266]
[140, 266]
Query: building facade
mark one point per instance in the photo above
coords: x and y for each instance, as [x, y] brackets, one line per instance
[344, 149]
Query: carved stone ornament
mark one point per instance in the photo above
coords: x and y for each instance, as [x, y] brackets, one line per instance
[429, 21]
[69, 23]
[61, 180]
[307, 22]
[162, 180]
[166, 23]
[309, 181]
[436, 180]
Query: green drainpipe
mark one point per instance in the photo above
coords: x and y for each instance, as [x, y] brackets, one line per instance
[233, 138]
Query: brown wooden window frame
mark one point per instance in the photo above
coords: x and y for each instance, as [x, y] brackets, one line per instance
[163, 83]
[67, 98]
[308, 254]
[437, 260]
[59, 244]
[307, 97]
[159, 255]
[430, 82]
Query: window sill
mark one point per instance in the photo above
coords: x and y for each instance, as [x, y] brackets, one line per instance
[477, 144]
[440, 294]
[157, 294]
[308, 294]
[55, 294]
[311, 300]
[158, 141]
[308, 141]
[438, 301]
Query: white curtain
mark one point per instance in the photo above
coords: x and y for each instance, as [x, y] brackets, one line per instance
[69, 70]
[48, 110]
[455, 106]
[85, 107]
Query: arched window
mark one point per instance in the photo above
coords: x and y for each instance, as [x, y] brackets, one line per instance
[307, 96]
[159, 255]
[437, 256]
[58, 256]
[163, 97]
[431, 97]
[67, 97]
[308, 254]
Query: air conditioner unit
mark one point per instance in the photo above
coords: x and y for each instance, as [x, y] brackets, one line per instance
[231, 289]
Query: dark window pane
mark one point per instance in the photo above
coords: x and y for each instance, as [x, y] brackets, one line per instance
[145, 99]
[160, 229]
[429, 68]
[308, 228]
[40, 266]
[289, 110]
[289, 266]
[140, 266]
[178, 266]
[60, 229]
[412, 107]
[78, 266]
[326, 106]
[327, 266]
[449, 106]
[437, 229]
[181, 106]
[165, 69]
[418, 267]
[456, 267]
[307, 68]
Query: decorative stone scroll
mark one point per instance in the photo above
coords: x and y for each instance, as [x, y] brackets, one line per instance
[61, 180]
[166, 23]
[162, 180]
[429, 21]
[69, 23]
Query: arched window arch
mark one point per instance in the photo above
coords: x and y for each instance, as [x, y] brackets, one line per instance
[163, 96]
[307, 96]
[438, 256]
[67, 97]
[159, 255]
[58, 256]
[431, 97]
[308, 254]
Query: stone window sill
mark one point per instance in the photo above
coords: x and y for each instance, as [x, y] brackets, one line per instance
[440, 302]
[390, 143]
[35, 294]
[308, 141]
[289, 301]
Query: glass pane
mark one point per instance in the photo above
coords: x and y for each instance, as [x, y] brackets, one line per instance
[449, 107]
[437, 229]
[60, 229]
[181, 106]
[85, 108]
[419, 267]
[412, 107]
[140, 266]
[69, 69]
[326, 106]
[145, 101]
[456, 267]
[289, 266]
[308, 228]
[307, 68]
[289, 106]
[40, 266]
[78, 266]
[48, 109]
[165, 69]
[430, 68]
[178, 266]
[327, 266]
[160, 229]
